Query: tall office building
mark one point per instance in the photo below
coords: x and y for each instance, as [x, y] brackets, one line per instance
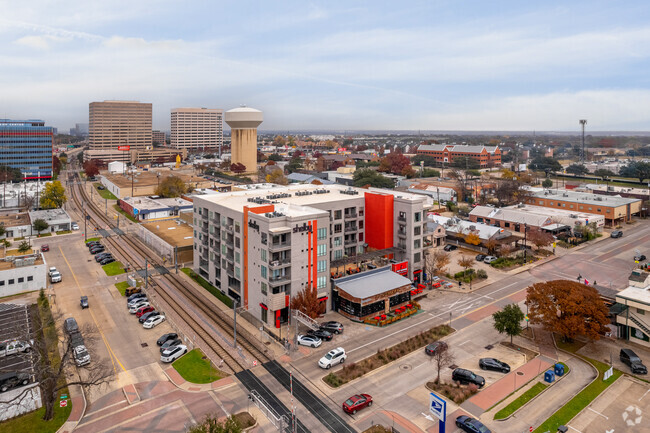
[197, 128]
[159, 137]
[243, 122]
[119, 123]
[27, 145]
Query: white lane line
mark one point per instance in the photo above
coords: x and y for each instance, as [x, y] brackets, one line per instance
[596, 412]
[644, 395]
[464, 342]
[575, 429]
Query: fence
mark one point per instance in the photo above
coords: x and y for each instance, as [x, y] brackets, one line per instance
[162, 248]
[281, 422]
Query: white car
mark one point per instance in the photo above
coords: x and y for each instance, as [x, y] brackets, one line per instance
[333, 357]
[74, 226]
[309, 340]
[489, 259]
[135, 301]
[14, 346]
[55, 277]
[173, 353]
[153, 321]
[81, 355]
[134, 309]
[52, 270]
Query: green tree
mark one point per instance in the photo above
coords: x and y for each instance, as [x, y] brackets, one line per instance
[465, 162]
[637, 169]
[2, 231]
[294, 165]
[275, 157]
[23, 247]
[372, 178]
[40, 225]
[508, 320]
[429, 172]
[171, 186]
[545, 163]
[578, 169]
[548, 183]
[53, 196]
[10, 174]
[603, 173]
[429, 161]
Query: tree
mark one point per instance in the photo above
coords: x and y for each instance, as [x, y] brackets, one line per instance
[40, 225]
[277, 176]
[429, 172]
[637, 169]
[238, 168]
[2, 230]
[505, 250]
[429, 161]
[440, 261]
[603, 173]
[171, 186]
[442, 358]
[545, 163]
[491, 245]
[10, 174]
[56, 165]
[472, 239]
[465, 162]
[548, 183]
[279, 140]
[465, 262]
[577, 169]
[23, 247]
[539, 238]
[294, 165]
[395, 163]
[224, 165]
[306, 301]
[508, 320]
[568, 308]
[367, 177]
[91, 168]
[212, 424]
[275, 157]
[53, 196]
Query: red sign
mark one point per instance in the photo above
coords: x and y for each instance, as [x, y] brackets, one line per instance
[401, 268]
[530, 429]
[124, 148]
[63, 403]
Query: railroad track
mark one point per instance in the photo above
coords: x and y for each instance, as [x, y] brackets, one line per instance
[192, 294]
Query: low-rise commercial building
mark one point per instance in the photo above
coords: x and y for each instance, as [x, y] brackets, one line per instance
[485, 156]
[19, 274]
[458, 228]
[146, 208]
[16, 225]
[172, 239]
[145, 183]
[57, 219]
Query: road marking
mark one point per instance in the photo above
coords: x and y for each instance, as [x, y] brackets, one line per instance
[110, 351]
[596, 412]
[644, 395]
[464, 342]
[575, 429]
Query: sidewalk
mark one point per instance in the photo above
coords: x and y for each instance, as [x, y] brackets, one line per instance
[78, 401]
[175, 378]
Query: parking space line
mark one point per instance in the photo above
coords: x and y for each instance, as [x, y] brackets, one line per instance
[598, 413]
[644, 395]
[108, 346]
[465, 342]
[573, 428]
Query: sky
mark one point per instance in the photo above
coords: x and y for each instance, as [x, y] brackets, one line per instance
[335, 65]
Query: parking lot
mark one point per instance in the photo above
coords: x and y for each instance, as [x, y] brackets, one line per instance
[15, 324]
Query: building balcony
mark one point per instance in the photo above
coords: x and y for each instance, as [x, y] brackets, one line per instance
[401, 245]
[351, 215]
[279, 264]
[279, 280]
[351, 229]
[229, 229]
[401, 233]
[276, 301]
[280, 246]
[203, 264]
[401, 218]
[230, 270]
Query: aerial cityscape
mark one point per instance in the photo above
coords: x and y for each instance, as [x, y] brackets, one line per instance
[370, 217]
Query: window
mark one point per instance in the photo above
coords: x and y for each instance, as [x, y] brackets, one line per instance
[360, 237]
[416, 244]
[337, 255]
[30, 278]
[2, 282]
[416, 257]
[236, 227]
[416, 230]
[640, 311]
[263, 255]
[550, 203]
[264, 289]
[21, 280]
[322, 234]
[210, 214]
[237, 243]
[507, 225]
[337, 214]
[359, 249]
[263, 270]
[322, 282]
[264, 315]
[224, 249]
[237, 274]
[10, 281]
[417, 217]
[598, 210]
[237, 257]
[264, 238]
[322, 265]
[337, 241]
[338, 228]
[322, 250]
[361, 225]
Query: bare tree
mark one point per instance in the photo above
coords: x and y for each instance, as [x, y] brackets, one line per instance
[505, 250]
[440, 260]
[465, 262]
[442, 358]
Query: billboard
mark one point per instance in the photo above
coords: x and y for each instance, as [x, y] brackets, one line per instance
[123, 148]
[438, 407]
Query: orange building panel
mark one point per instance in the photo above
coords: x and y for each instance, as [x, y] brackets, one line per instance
[379, 220]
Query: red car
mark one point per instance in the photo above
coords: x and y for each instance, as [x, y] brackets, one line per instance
[357, 402]
[45, 248]
[143, 310]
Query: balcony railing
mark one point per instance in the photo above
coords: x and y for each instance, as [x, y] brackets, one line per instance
[281, 279]
[278, 264]
[350, 241]
[401, 218]
[351, 229]
[351, 215]
[280, 245]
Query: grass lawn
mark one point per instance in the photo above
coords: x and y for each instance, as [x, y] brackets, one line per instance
[207, 286]
[104, 192]
[521, 400]
[115, 268]
[33, 421]
[22, 238]
[126, 215]
[44, 235]
[93, 239]
[123, 286]
[18, 253]
[193, 368]
[63, 232]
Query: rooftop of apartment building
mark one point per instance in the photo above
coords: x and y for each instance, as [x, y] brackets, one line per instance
[296, 199]
[582, 197]
[12, 262]
[175, 232]
[150, 178]
[458, 226]
[636, 294]
[15, 219]
[148, 203]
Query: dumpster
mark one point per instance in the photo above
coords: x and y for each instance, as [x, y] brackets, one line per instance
[559, 370]
[549, 376]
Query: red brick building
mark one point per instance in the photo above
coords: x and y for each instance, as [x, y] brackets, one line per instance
[486, 156]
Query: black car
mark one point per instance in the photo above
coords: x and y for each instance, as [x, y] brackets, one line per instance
[639, 258]
[97, 250]
[471, 425]
[136, 296]
[480, 257]
[70, 325]
[101, 256]
[494, 365]
[466, 377]
[165, 337]
[333, 327]
[616, 234]
[92, 244]
[631, 359]
[169, 343]
[435, 347]
[13, 379]
[107, 260]
[145, 316]
[322, 334]
[450, 247]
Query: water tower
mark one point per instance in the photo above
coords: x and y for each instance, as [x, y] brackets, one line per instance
[243, 122]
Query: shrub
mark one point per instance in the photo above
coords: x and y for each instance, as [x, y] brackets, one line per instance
[481, 273]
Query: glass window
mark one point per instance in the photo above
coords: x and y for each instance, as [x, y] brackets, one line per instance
[263, 271]
[416, 257]
[264, 289]
[322, 234]
[322, 250]
[338, 254]
[338, 228]
[236, 227]
[337, 214]
[263, 255]
[321, 282]
[21, 280]
[337, 241]
[417, 216]
[237, 272]
[236, 257]
[322, 265]
[416, 243]
[416, 230]
[264, 315]
[10, 281]
[30, 278]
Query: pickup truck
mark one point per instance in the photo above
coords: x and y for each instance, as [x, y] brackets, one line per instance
[14, 346]
[79, 351]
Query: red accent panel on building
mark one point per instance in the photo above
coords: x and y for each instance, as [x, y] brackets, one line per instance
[314, 243]
[309, 259]
[401, 268]
[379, 220]
[255, 210]
[277, 318]
[286, 300]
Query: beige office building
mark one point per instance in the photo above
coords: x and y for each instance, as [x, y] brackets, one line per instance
[119, 123]
[197, 128]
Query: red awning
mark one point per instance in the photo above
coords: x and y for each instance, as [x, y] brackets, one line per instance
[418, 271]
[323, 299]
[264, 306]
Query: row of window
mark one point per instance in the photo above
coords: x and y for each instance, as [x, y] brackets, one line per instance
[12, 281]
[541, 202]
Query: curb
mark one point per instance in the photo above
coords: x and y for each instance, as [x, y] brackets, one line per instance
[83, 413]
[208, 386]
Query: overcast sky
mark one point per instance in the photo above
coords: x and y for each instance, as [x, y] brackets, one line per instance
[434, 65]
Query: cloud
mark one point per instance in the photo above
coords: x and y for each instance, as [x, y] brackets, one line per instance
[38, 42]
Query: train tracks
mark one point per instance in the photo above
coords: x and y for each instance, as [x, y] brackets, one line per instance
[216, 320]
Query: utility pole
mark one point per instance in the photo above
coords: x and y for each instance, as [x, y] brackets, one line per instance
[235, 327]
[85, 228]
[176, 259]
[525, 238]
[146, 274]
[293, 406]
[583, 122]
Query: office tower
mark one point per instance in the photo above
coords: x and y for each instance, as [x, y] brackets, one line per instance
[119, 123]
[243, 122]
[159, 137]
[197, 128]
[27, 146]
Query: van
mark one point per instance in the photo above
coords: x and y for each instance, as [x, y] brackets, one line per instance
[628, 357]
[466, 377]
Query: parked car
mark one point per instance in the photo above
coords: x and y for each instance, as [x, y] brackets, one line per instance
[629, 358]
[333, 357]
[13, 379]
[136, 300]
[450, 247]
[70, 325]
[137, 306]
[494, 365]
[51, 271]
[639, 258]
[13, 347]
[81, 355]
[101, 256]
[309, 340]
[132, 291]
[74, 226]
[616, 234]
[95, 250]
[480, 257]
[489, 259]
[321, 333]
[143, 310]
[153, 321]
[471, 425]
[145, 316]
[435, 347]
[332, 326]
[173, 353]
[45, 247]
[100, 187]
[107, 260]
[356, 403]
[165, 337]
[135, 296]
[170, 343]
[55, 277]
[92, 244]
[466, 377]
[83, 302]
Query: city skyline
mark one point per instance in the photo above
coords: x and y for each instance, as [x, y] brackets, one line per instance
[335, 66]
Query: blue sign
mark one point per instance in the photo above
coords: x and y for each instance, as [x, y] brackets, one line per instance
[135, 211]
[438, 407]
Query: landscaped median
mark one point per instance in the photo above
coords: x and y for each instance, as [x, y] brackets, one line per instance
[207, 286]
[383, 357]
[114, 268]
[521, 400]
[195, 367]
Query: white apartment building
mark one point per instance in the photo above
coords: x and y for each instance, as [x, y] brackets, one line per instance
[196, 128]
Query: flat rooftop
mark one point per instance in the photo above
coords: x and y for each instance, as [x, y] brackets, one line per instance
[636, 294]
[146, 203]
[174, 232]
[30, 260]
[150, 178]
[584, 198]
[16, 219]
[49, 214]
[300, 199]
[371, 283]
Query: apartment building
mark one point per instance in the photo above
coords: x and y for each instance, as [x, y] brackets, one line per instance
[633, 309]
[485, 156]
[262, 246]
[119, 123]
[196, 128]
[27, 146]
